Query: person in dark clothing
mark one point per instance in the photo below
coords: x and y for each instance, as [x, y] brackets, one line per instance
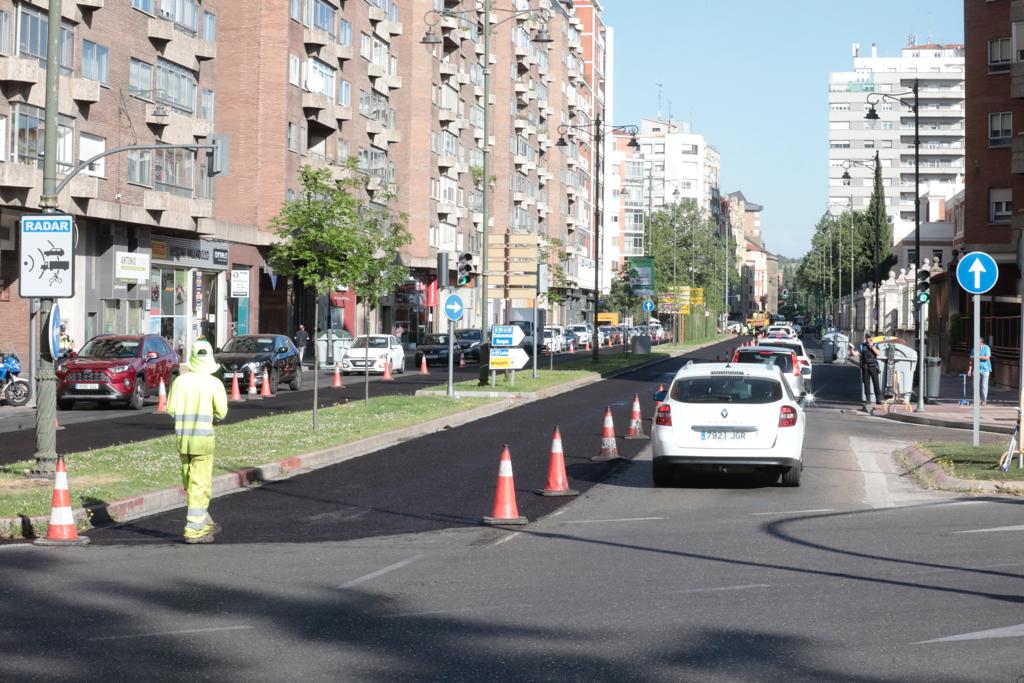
[301, 340]
[869, 370]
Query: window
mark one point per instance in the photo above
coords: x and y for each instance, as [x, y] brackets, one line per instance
[176, 85]
[839, 144]
[869, 144]
[173, 171]
[140, 78]
[28, 137]
[184, 14]
[1000, 129]
[209, 26]
[293, 137]
[206, 105]
[139, 165]
[344, 93]
[344, 32]
[88, 147]
[365, 46]
[32, 38]
[1000, 203]
[999, 54]
[320, 78]
[295, 9]
[839, 125]
[95, 60]
[5, 33]
[144, 5]
[294, 70]
[323, 16]
[341, 149]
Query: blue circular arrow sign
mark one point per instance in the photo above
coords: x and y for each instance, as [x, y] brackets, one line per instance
[977, 272]
[648, 305]
[453, 307]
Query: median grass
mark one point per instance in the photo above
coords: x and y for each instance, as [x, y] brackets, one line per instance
[966, 462]
[127, 470]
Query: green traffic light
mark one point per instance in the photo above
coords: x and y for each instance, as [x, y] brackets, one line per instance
[923, 298]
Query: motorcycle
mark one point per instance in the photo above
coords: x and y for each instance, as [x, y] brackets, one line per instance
[14, 389]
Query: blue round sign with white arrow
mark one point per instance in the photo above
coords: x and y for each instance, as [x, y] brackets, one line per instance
[977, 272]
[453, 307]
[648, 305]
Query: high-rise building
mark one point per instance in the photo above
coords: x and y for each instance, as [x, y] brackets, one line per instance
[854, 141]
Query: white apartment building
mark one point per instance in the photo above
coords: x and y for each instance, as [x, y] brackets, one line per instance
[853, 140]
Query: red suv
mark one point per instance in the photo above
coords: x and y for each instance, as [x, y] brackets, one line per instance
[117, 368]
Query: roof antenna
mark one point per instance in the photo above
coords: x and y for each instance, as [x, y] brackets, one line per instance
[659, 85]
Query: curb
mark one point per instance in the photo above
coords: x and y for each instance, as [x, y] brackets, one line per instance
[928, 474]
[911, 418]
[163, 500]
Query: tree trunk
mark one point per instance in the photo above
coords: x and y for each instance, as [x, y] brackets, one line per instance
[366, 364]
[316, 359]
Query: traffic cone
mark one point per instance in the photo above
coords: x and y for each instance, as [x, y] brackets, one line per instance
[636, 424]
[505, 510]
[558, 484]
[587, 347]
[657, 404]
[336, 383]
[387, 370]
[462, 360]
[572, 346]
[265, 389]
[161, 404]
[251, 393]
[236, 395]
[609, 449]
[61, 529]
[423, 365]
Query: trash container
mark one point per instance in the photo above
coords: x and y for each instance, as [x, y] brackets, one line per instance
[828, 349]
[896, 365]
[340, 340]
[640, 344]
[933, 376]
[841, 346]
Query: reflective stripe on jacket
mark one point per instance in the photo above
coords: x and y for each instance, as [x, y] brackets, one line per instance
[195, 399]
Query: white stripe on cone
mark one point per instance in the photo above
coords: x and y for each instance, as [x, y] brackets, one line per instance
[62, 517]
[505, 469]
[60, 481]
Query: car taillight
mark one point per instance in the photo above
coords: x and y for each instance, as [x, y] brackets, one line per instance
[664, 417]
[787, 416]
[796, 365]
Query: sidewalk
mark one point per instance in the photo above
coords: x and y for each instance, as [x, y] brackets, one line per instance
[998, 416]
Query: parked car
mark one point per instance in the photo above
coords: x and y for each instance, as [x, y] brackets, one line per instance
[728, 418]
[734, 327]
[469, 341]
[435, 348]
[115, 368]
[373, 350]
[262, 356]
[583, 332]
[554, 341]
[785, 360]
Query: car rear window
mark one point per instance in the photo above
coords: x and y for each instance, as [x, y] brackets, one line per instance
[795, 348]
[732, 389]
[783, 359]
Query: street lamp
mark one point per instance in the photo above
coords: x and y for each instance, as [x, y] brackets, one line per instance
[872, 115]
[541, 37]
[597, 128]
[876, 247]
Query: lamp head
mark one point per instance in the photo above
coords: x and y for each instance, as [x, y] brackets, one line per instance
[430, 38]
[872, 114]
[633, 144]
[562, 142]
[846, 176]
[543, 37]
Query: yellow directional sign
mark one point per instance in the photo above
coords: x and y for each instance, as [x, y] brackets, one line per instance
[684, 309]
[500, 363]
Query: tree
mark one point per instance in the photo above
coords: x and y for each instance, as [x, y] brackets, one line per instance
[882, 235]
[621, 297]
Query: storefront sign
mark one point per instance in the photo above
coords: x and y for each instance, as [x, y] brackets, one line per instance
[190, 253]
[131, 267]
[240, 283]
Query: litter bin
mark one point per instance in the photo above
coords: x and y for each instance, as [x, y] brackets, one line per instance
[828, 349]
[340, 340]
[840, 346]
[933, 376]
[640, 344]
[896, 365]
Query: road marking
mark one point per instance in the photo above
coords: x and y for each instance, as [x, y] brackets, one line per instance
[790, 512]
[741, 587]
[381, 572]
[506, 539]
[869, 455]
[182, 632]
[607, 521]
[1018, 527]
[1005, 632]
[456, 610]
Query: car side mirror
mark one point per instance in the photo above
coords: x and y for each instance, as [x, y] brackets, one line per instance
[806, 372]
[72, 354]
[812, 356]
[283, 349]
[217, 350]
[152, 355]
[659, 396]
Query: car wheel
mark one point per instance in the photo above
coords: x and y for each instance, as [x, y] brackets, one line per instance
[138, 397]
[65, 404]
[296, 382]
[791, 475]
[275, 380]
[401, 366]
[662, 472]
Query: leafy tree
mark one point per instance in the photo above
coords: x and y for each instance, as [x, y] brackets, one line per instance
[621, 297]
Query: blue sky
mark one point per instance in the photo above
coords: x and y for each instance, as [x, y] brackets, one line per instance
[752, 76]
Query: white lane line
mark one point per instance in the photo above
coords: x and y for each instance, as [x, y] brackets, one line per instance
[381, 572]
[790, 512]
[182, 632]
[1018, 527]
[719, 589]
[506, 539]
[1005, 632]
[609, 521]
[457, 610]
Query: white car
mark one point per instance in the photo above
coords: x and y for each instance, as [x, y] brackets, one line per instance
[375, 349]
[785, 359]
[728, 418]
[797, 347]
[582, 332]
[562, 335]
[550, 342]
[782, 329]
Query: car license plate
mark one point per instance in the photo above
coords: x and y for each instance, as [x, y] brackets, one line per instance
[230, 375]
[723, 436]
[85, 387]
[432, 355]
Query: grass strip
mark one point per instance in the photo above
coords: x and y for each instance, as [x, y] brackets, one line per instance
[123, 471]
[963, 461]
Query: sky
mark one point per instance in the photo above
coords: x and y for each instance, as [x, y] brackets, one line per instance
[752, 77]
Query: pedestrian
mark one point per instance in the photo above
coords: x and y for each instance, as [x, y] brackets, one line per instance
[869, 370]
[301, 340]
[67, 344]
[196, 399]
[982, 359]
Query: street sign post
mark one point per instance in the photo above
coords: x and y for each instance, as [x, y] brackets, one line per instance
[507, 335]
[453, 310]
[47, 257]
[508, 358]
[977, 273]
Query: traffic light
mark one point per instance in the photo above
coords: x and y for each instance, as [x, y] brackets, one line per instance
[217, 158]
[466, 269]
[923, 285]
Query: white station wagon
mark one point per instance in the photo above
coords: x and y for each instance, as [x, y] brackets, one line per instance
[728, 418]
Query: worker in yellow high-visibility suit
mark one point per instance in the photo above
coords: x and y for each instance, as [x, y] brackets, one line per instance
[195, 400]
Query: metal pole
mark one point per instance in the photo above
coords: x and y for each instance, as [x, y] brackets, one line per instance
[975, 375]
[599, 166]
[537, 333]
[46, 401]
[451, 355]
[922, 309]
[485, 265]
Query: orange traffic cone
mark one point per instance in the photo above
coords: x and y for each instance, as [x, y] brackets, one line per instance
[558, 484]
[636, 424]
[61, 529]
[236, 395]
[572, 346]
[387, 370]
[336, 383]
[462, 360]
[251, 393]
[161, 404]
[587, 347]
[657, 404]
[505, 510]
[423, 365]
[609, 449]
[265, 389]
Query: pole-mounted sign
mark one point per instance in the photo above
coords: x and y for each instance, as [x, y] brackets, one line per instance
[47, 257]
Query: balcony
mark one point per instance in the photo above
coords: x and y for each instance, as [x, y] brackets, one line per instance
[84, 187]
[376, 70]
[177, 128]
[89, 5]
[392, 28]
[18, 175]
[315, 100]
[315, 38]
[448, 69]
[1017, 154]
[447, 115]
[1017, 80]
[343, 53]
[84, 90]
[446, 208]
[445, 161]
[19, 70]
[158, 201]
[374, 127]
[179, 47]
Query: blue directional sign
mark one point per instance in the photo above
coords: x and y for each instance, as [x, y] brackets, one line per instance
[453, 307]
[977, 272]
[506, 335]
[648, 305]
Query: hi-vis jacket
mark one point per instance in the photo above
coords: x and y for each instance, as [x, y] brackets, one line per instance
[195, 399]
